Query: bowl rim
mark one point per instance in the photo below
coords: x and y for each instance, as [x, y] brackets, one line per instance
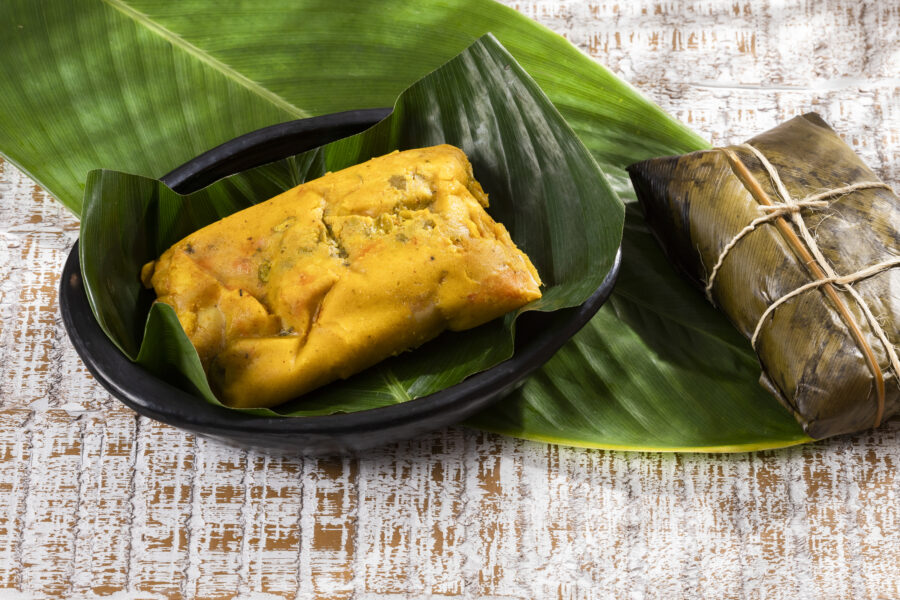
[129, 382]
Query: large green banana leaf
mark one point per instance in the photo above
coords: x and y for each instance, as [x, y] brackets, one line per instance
[539, 177]
[143, 85]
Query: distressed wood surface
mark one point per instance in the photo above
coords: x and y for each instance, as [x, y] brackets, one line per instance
[95, 501]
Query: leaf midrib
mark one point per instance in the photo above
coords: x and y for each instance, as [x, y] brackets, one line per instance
[179, 42]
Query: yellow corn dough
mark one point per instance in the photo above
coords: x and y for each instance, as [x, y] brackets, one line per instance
[341, 272]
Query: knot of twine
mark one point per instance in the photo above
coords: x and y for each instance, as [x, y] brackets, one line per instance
[771, 213]
[843, 281]
[816, 262]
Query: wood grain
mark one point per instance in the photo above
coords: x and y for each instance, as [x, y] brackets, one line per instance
[95, 501]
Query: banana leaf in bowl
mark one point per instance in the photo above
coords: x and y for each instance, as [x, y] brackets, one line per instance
[540, 180]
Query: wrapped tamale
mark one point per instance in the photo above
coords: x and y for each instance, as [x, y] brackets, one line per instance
[797, 241]
[341, 272]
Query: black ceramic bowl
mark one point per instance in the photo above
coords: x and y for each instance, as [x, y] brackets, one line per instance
[538, 335]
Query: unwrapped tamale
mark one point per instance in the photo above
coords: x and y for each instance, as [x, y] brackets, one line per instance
[797, 241]
[341, 272]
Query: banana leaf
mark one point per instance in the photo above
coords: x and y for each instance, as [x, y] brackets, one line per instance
[821, 352]
[539, 177]
[144, 86]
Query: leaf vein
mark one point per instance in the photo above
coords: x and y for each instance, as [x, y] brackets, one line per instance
[181, 43]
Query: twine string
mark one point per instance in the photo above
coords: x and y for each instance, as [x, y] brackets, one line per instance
[779, 210]
[817, 263]
[844, 280]
[772, 213]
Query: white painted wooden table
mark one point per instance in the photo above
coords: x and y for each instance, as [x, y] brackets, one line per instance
[95, 501]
